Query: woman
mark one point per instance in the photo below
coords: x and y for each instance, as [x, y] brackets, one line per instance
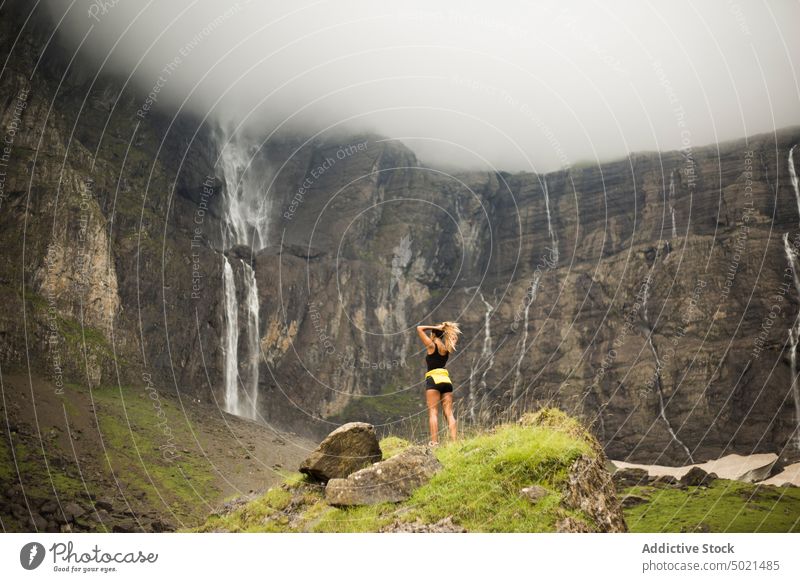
[440, 341]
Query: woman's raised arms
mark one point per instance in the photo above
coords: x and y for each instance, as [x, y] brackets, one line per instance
[424, 336]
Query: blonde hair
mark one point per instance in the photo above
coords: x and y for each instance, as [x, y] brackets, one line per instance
[450, 332]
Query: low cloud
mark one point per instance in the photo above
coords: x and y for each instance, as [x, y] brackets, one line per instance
[511, 85]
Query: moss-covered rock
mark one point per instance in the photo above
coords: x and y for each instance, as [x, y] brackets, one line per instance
[347, 449]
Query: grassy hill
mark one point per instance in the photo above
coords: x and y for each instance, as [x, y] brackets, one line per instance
[479, 488]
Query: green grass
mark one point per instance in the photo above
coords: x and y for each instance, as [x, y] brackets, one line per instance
[482, 478]
[38, 483]
[73, 335]
[392, 445]
[134, 436]
[264, 514]
[725, 506]
[479, 487]
[76, 336]
[368, 518]
[133, 441]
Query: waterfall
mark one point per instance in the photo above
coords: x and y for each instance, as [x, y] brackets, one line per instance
[550, 231]
[247, 174]
[241, 348]
[469, 231]
[530, 296]
[662, 408]
[672, 202]
[230, 345]
[485, 360]
[794, 329]
[253, 352]
[793, 178]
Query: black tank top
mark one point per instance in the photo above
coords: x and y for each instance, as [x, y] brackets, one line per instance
[436, 360]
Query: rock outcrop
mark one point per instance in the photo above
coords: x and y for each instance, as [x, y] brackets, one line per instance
[591, 490]
[533, 493]
[747, 468]
[347, 449]
[696, 476]
[444, 525]
[630, 477]
[590, 487]
[392, 480]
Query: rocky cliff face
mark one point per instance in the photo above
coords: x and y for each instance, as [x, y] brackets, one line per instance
[99, 210]
[649, 295]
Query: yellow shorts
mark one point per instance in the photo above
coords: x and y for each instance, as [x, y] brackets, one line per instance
[438, 376]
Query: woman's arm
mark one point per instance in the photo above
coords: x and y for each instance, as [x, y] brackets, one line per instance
[424, 337]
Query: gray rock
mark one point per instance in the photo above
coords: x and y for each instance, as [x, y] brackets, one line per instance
[37, 522]
[572, 525]
[630, 477]
[49, 506]
[533, 493]
[633, 500]
[104, 504]
[665, 481]
[697, 476]
[59, 517]
[124, 526]
[347, 449]
[19, 511]
[444, 525]
[392, 480]
[73, 510]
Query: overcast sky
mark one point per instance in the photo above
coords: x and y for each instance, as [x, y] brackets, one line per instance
[514, 85]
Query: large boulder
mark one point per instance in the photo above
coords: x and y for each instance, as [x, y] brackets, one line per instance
[630, 476]
[392, 480]
[697, 476]
[347, 449]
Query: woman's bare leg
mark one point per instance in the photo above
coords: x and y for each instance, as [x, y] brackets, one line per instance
[432, 398]
[447, 405]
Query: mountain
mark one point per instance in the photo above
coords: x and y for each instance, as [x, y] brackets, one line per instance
[280, 276]
[652, 296]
